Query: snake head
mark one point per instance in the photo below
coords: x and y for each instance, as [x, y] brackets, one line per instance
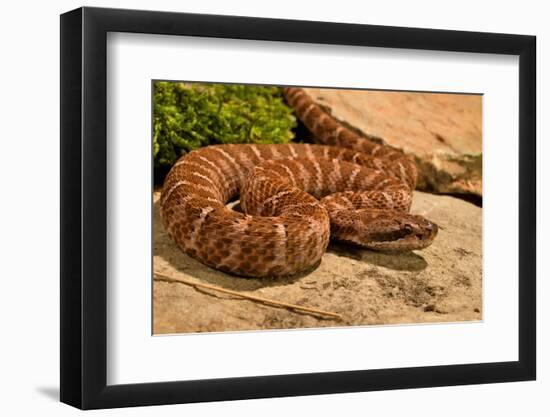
[399, 232]
[383, 230]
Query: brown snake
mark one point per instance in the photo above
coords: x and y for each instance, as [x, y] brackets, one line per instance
[294, 197]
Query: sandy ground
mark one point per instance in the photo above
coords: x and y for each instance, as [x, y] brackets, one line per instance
[442, 283]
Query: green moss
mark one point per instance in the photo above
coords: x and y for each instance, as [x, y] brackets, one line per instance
[189, 116]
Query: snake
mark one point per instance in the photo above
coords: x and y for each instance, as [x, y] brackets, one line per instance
[294, 199]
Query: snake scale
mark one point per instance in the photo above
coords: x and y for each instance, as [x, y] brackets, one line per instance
[294, 198]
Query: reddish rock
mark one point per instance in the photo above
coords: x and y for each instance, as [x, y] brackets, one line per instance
[442, 131]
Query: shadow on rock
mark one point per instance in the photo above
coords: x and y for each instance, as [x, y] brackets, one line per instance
[228, 281]
[399, 261]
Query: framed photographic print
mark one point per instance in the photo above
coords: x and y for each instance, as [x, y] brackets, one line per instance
[257, 208]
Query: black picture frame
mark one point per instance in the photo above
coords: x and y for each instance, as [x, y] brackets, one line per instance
[84, 223]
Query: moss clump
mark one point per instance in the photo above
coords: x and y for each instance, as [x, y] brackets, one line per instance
[189, 116]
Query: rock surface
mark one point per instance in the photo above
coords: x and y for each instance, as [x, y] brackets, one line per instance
[442, 283]
[442, 131]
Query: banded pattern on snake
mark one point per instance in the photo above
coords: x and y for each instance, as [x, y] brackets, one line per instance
[295, 197]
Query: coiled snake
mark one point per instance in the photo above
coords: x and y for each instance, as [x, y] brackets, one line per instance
[294, 197]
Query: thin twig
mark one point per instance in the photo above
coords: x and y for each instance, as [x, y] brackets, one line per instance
[253, 297]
